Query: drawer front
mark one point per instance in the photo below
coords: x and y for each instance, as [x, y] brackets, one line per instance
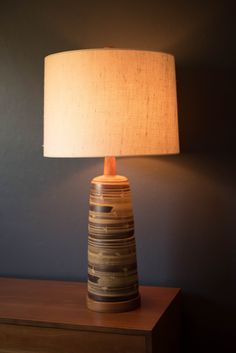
[28, 339]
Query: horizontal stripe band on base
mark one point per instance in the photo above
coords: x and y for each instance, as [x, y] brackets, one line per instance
[117, 307]
[99, 298]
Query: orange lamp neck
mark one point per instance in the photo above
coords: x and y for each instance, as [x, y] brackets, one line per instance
[110, 165]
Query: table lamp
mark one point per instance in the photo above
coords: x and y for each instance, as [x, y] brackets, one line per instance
[108, 103]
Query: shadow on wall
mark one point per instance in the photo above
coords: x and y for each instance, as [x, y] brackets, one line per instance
[201, 316]
[207, 125]
[186, 238]
[190, 201]
[206, 98]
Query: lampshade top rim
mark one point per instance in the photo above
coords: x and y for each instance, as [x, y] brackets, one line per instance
[109, 49]
[51, 155]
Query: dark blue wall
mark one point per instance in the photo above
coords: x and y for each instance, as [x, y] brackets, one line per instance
[185, 206]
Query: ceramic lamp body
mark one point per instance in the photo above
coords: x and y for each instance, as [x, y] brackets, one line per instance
[112, 265]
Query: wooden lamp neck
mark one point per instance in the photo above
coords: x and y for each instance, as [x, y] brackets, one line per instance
[110, 166]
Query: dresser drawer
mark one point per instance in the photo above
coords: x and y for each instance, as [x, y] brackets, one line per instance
[28, 339]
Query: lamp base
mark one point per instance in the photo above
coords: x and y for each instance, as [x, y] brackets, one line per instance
[116, 307]
[112, 265]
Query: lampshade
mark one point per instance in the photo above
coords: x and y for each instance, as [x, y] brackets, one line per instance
[110, 102]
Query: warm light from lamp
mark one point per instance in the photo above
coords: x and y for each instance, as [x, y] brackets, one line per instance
[101, 102]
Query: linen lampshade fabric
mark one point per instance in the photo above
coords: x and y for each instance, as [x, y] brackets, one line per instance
[110, 102]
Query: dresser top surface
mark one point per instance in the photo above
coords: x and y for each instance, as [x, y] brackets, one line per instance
[63, 304]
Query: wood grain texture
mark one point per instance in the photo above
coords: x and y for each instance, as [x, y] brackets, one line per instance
[52, 317]
[63, 304]
[112, 265]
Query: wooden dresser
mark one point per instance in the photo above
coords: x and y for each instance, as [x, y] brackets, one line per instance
[51, 317]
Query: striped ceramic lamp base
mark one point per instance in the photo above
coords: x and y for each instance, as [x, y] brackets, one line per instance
[112, 266]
